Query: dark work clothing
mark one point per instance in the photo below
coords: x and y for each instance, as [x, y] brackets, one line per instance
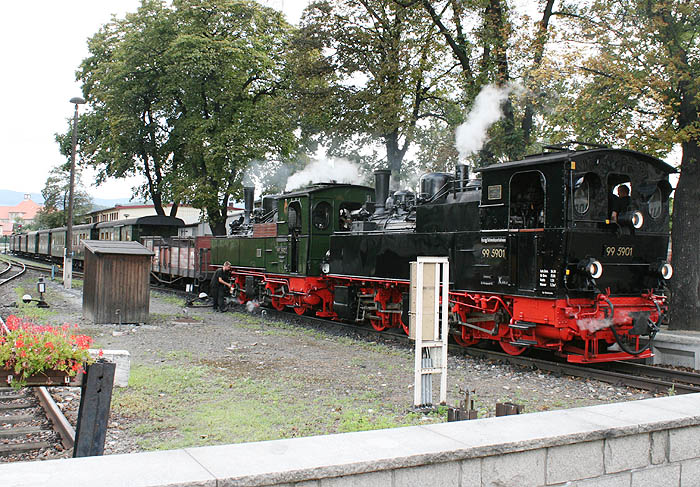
[621, 204]
[219, 290]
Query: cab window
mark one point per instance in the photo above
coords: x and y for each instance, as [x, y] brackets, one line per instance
[527, 195]
[586, 190]
[294, 216]
[321, 216]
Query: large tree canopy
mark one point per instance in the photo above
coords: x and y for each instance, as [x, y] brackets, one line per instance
[642, 90]
[372, 71]
[494, 42]
[187, 95]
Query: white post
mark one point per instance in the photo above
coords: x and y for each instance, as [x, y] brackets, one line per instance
[430, 351]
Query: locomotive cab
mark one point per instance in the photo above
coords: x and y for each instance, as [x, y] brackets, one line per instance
[545, 218]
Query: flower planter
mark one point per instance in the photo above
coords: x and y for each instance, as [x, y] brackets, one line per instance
[47, 378]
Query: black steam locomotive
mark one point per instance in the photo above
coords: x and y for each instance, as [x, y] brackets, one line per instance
[543, 252]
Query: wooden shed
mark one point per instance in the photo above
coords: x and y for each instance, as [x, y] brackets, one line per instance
[116, 284]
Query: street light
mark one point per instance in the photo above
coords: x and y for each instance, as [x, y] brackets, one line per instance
[68, 257]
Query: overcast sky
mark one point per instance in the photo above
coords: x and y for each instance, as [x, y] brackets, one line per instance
[43, 43]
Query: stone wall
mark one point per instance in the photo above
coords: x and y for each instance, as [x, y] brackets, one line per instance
[653, 442]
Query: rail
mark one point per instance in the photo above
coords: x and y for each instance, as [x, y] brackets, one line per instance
[640, 376]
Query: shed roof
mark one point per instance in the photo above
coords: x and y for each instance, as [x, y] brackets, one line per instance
[116, 247]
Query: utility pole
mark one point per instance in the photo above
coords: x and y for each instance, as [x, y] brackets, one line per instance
[68, 256]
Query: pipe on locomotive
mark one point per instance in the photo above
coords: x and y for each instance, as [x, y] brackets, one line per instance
[461, 177]
[381, 187]
[248, 199]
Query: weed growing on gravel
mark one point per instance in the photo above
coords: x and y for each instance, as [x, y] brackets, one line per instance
[30, 310]
[170, 299]
[76, 284]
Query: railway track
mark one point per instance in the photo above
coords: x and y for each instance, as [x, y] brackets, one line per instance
[37, 266]
[647, 377]
[30, 421]
[7, 273]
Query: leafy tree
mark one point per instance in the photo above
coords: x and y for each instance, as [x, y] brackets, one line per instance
[187, 95]
[642, 90]
[56, 193]
[494, 43]
[371, 70]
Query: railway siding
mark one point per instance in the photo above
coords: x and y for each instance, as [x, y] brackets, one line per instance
[627, 443]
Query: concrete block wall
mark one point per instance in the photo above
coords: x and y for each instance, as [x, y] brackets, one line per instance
[654, 442]
[677, 348]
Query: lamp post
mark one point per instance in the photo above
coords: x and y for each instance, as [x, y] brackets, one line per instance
[68, 257]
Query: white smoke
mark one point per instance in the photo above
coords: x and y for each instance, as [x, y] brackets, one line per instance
[325, 170]
[471, 135]
[251, 305]
[591, 325]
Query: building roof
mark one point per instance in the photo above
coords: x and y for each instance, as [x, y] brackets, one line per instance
[116, 247]
[6, 228]
[27, 208]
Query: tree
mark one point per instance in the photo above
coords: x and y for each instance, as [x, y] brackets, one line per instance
[56, 192]
[187, 95]
[642, 89]
[492, 44]
[371, 72]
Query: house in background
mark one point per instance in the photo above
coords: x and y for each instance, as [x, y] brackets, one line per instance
[190, 215]
[24, 212]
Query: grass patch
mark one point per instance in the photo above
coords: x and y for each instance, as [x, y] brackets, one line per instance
[196, 405]
[170, 299]
[30, 310]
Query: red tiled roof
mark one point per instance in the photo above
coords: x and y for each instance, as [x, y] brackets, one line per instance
[27, 208]
[6, 228]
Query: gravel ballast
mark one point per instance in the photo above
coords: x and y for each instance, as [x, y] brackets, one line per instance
[201, 378]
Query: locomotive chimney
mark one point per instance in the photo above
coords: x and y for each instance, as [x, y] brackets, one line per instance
[248, 199]
[381, 189]
[461, 177]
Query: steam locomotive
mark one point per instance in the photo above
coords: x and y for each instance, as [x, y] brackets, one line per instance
[542, 252]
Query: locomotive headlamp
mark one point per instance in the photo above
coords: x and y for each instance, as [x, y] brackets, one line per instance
[633, 219]
[637, 220]
[592, 267]
[325, 265]
[665, 270]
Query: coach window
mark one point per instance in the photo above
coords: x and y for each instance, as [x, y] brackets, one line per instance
[322, 215]
[526, 209]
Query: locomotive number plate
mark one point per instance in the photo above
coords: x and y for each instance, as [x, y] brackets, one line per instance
[618, 251]
[493, 253]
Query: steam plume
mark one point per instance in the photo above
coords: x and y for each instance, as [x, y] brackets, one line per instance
[471, 135]
[325, 170]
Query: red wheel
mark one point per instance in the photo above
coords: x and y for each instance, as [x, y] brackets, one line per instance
[405, 327]
[512, 349]
[462, 342]
[378, 325]
[275, 302]
[300, 310]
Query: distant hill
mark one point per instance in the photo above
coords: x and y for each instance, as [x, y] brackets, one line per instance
[12, 198]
